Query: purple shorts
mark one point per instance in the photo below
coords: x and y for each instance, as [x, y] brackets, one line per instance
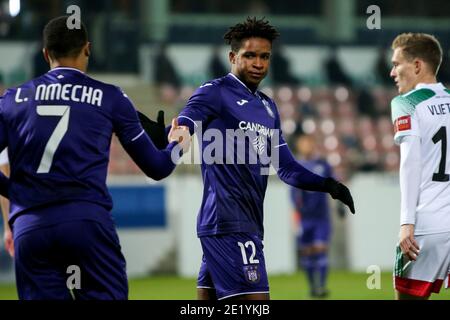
[46, 258]
[314, 231]
[233, 264]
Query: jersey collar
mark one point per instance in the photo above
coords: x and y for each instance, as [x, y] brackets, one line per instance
[436, 85]
[243, 84]
[66, 68]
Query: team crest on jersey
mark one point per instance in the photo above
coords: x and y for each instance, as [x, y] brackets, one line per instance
[252, 273]
[269, 111]
[259, 143]
[402, 124]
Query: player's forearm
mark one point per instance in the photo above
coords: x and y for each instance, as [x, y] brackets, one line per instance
[4, 169]
[410, 175]
[4, 185]
[156, 164]
[5, 209]
[294, 174]
[297, 176]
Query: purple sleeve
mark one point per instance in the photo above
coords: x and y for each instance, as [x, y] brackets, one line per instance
[156, 164]
[294, 174]
[125, 120]
[202, 106]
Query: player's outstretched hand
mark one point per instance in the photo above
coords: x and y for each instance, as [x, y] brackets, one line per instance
[180, 134]
[155, 130]
[339, 191]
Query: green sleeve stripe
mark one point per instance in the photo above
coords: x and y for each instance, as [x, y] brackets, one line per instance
[419, 96]
[401, 107]
[398, 267]
[406, 104]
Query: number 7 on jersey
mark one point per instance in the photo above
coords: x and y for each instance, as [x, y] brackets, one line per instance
[57, 135]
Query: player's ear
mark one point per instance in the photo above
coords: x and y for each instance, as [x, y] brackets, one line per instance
[46, 55]
[232, 57]
[87, 49]
[418, 65]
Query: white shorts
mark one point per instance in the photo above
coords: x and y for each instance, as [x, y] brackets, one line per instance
[432, 267]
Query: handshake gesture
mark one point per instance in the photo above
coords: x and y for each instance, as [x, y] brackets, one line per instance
[180, 134]
[156, 130]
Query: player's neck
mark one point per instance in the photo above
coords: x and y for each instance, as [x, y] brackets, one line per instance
[251, 87]
[68, 63]
[426, 79]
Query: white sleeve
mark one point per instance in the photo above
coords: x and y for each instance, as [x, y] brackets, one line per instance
[4, 157]
[404, 118]
[410, 176]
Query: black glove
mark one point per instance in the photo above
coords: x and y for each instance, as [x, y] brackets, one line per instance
[338, 191]
[155, 130]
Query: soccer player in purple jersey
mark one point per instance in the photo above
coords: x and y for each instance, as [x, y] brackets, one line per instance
[315, 222]
[58, 130]
[230, 220]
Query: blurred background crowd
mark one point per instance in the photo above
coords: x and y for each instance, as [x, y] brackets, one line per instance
[329, 72]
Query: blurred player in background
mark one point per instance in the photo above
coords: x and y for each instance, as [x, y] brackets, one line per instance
[314, 217]
[230, 221]
[7, 234]
[58, 130]
[421, 116]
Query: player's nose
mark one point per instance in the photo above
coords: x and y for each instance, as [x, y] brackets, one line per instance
[393, 74]
[258, 63]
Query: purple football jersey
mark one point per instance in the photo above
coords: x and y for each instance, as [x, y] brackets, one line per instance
[233, 195]
[58, 130]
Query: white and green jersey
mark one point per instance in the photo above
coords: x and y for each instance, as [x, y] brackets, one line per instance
[425, 112]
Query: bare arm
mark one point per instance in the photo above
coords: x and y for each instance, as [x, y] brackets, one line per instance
[410, 173]
[7, 234]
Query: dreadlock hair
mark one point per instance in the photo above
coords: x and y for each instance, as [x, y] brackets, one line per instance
[251, 27]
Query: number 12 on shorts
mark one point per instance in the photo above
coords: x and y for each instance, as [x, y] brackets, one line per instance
[252, 259]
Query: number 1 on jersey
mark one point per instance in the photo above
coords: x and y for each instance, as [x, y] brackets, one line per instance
[441, 135]
[57, 135]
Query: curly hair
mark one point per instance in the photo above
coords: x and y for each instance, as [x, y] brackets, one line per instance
[251, 27]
